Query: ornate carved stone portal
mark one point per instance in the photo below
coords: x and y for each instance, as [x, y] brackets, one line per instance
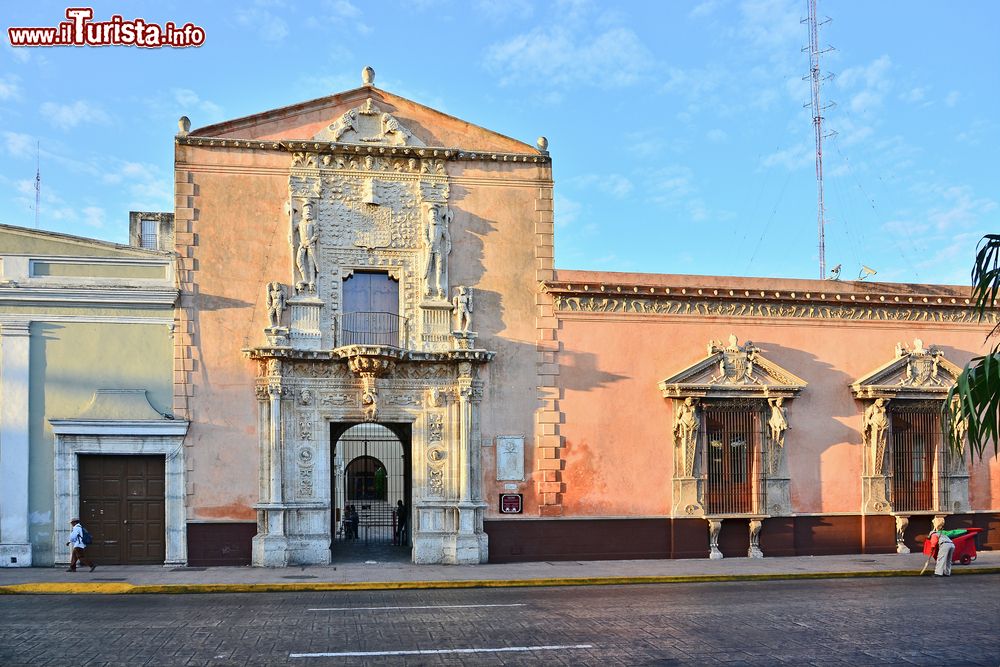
[916, 376]
[737, 376]
[353, 212]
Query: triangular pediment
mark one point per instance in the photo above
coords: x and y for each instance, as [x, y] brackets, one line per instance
[914, 372]
[398, 119]
[732, 370]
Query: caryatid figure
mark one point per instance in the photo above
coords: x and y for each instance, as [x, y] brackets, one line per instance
[437, 246]
[778, 423]
[875, 426]
[306, 235]
[463, 309]
[686, 423]
[275, 303]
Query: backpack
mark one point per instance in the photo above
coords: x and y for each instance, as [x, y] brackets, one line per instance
[87, 538]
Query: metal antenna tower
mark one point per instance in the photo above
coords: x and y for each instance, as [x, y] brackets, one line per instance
[817, 116]
[38, 178]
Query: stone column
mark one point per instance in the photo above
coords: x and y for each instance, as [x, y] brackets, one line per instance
[470, 542]
[270, 545]
[15, 344]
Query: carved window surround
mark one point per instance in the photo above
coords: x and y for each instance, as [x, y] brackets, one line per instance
[916, 377]
[739, 377]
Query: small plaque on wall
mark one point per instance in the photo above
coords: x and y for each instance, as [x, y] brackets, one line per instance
[511, 503]
[510, 458]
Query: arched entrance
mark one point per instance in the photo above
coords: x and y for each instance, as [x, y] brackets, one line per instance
[370, 476]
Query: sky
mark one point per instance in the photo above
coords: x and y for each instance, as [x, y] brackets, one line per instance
[678, 132]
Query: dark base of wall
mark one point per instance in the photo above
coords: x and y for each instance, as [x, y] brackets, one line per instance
[219, 543]
[513, 540]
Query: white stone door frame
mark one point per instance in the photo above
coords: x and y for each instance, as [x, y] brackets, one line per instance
[139, 437]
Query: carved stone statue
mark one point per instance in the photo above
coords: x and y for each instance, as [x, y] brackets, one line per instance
[305, 239]
[686, 423]
[275, 304]
[778, 423]
[463, 309]
[875, 427]
[437, 246]
[369, 402]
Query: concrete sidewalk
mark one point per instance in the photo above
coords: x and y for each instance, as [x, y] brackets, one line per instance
[119, 579]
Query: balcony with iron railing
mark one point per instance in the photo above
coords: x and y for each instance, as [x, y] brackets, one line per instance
[372, 328]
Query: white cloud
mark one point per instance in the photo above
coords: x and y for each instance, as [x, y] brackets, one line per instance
[772, 24]
[792, 158]
[914, 95]
[717, 136]
[19, 145]
[960, 208]
[572, 53]
[189, 101]
[704, 8]
[868, 84]
[269, 27]
[93, 216]
[68, 116]
[566, 211]
[616, 185]
[501, 10]
[951, 99]
[9, 88]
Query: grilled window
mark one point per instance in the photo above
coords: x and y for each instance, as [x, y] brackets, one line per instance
[917, 449]
[149, 235]
[732, 455]
[371, 310]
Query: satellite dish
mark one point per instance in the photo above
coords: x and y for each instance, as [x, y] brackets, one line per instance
[834, 273]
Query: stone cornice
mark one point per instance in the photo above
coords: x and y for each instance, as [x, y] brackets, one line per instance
[124, 427]
[75, 296]
[886, 305]
[331, 147]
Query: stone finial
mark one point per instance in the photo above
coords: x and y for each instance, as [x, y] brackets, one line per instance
[543, 144]
[183, 126]
[368, 76]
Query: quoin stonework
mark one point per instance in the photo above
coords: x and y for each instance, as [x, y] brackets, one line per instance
[373, 350]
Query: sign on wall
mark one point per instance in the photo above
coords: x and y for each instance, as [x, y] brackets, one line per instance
[511, 503]
[510, 458]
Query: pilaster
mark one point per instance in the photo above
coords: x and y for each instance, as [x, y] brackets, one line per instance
[15, 347]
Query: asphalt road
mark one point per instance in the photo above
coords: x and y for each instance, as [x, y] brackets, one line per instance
[892, 621]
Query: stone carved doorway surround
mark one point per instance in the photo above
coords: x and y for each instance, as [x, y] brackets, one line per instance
[302, 394]
[916, 380]
[120, 422]
[735, 379]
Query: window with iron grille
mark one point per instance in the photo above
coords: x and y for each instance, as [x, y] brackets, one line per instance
[732, 454]
[149, 235]
[918, 455]
[371, 309]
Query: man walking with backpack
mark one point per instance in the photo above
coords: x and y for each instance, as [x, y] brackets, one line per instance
[80, 539]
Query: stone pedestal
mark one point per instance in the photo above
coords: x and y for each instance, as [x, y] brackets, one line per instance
[435, 325]
[875, 494]
[901, 523]
[305, 332]
[754, 550]
[778, 499]
[714, 528]
[687, 492]
[465, 340]
[276, 336]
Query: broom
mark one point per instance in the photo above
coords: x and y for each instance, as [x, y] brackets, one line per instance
[929, 559]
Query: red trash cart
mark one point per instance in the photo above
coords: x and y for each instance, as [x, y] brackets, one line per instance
[965, 546]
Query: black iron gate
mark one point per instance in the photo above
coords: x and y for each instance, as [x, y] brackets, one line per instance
[371, 486]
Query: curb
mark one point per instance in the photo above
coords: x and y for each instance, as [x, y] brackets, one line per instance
[68, 588]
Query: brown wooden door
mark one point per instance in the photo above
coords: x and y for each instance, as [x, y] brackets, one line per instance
[122, 505]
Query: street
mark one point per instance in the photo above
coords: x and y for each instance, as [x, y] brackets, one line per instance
[890, 621]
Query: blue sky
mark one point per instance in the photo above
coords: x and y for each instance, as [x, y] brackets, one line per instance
[677, 129]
